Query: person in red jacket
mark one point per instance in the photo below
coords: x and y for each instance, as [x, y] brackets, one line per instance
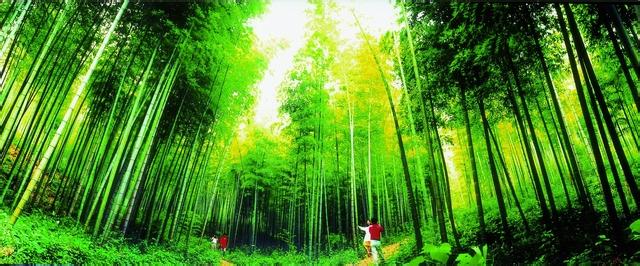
[224, 241]
[375, 230]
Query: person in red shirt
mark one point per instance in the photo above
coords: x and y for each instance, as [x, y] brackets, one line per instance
[224, 241]
[375, 230]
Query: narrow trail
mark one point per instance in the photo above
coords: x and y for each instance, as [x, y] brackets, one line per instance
[225, 263]
[387, 251]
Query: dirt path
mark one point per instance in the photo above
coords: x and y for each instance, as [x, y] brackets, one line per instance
[387, 251]
[225, 263]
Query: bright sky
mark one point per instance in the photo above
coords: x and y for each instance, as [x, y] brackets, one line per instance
[282, 28]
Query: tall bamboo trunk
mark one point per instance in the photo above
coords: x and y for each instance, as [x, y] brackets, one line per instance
[494, 174]
[403, 156]
[70, 109]
[472, 161]
[602, 175]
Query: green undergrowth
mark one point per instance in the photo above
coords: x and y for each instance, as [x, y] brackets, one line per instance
[342, 257]
[576, 239]
[41, 239]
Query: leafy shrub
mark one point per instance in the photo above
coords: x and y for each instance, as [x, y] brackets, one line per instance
[286, 237]
[479, 258]
[635, 230]
[441, 254]
[337, 241]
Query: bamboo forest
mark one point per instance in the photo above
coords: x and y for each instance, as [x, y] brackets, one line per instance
[319, 132]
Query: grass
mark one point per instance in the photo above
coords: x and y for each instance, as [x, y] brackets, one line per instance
[41, 239]
[342, 257]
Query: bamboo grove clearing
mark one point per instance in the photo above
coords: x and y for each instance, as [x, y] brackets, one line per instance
[476, 133]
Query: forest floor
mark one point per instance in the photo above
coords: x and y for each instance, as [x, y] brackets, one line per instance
[43, 239]
[286, 259]
[387, 251]
[224, 262]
